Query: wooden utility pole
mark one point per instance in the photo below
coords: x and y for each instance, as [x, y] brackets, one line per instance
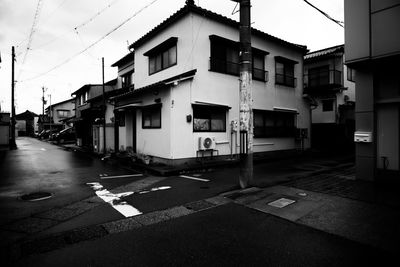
[104, 108]
[246, 98]
[43, 100]
[13, 144]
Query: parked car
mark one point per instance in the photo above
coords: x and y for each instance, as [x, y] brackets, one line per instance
[65, 135]
[46, 134]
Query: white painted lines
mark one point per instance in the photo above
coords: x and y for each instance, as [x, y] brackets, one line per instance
[105, 176]
[194, 178]
[155, 189]
[115, 200]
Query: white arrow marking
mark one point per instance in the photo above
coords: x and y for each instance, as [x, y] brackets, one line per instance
[120, 176]
[194, 178]
[115, 200]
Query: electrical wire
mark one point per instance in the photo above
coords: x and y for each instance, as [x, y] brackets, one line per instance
[338, 22]
[93, 44]
[95, 15]
[30, 38]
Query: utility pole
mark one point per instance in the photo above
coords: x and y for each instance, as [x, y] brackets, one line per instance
[13, 145]
[43, 100]
[50, 114]
[104, 107]
[246, 98]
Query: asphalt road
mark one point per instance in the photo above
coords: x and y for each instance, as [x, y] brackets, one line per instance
[40, 166]
[228, 235]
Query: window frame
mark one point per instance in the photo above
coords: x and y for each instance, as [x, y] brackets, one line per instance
[350, 74]
[219, 48]
[286, 64]
[161, 53]
[276, 130]
[126, 79]
[151, 108]
[212, 111]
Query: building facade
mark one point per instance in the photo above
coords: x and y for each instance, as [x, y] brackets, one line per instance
[89, 115]
[186, 90]
[372, 44]
[329, 84]
[58, 113]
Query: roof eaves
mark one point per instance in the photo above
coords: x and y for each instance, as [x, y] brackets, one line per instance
[159, 84]
[215, 16]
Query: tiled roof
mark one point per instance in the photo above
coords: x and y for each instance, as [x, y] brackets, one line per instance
[124, 59]
[325, 52]
[211, 15]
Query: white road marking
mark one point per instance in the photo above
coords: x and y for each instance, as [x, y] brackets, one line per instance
[155, 189]
[120, 176]
[43, 149]
[194, 178]
[115, 200]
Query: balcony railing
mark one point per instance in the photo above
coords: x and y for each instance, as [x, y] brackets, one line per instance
[323, 80]
[285, 80]
[233, 68]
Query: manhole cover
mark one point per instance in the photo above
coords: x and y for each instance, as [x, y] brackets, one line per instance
[36, 196]
[280, 203]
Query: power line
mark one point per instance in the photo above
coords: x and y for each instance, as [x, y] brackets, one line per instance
[338, 22]
[35, 19]
[93, 44]
[95, 15]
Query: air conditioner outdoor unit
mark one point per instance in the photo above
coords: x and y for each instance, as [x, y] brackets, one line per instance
[206, 143]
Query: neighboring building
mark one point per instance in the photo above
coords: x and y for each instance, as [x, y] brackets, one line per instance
[372, 45]
[25, 123]
[329, 84]
[4, 128]
[186, 90]
[59, 113]
[89, 113]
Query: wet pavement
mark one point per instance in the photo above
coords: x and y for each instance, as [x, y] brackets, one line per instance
[321, 194]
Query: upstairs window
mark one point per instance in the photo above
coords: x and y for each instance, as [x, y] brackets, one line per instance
[126, 80]
[225, 58]
[350, 74]
[268, 124]
[209, 118]
[162, 56]
[284, 71]
[318, 76]
[63, 113]
[151, 117]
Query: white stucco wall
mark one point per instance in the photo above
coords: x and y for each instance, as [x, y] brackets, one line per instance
[176, 138]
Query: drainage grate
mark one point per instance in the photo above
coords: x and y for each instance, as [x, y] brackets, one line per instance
[282, 202]
[36, 196]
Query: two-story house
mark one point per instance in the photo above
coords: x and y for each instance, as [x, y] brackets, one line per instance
[329, 85]
[185, 97]
[59, 112]
[89, 116]
[372, 43]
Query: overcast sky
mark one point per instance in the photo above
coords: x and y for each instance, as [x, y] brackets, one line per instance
[53, 43]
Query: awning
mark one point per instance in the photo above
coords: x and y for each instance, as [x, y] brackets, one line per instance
[129, 106]
[289, 110]
[199, 103]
